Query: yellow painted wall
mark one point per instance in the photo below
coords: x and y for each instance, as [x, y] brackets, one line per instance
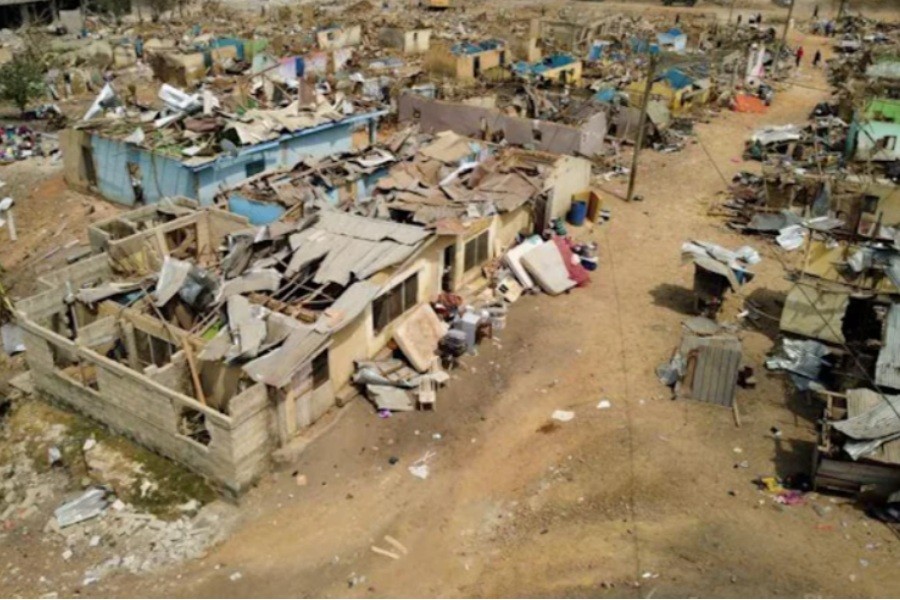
[570, 176]
[465, 64]
[572, 73]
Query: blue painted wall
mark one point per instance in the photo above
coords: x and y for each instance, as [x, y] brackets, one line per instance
[160, 176]
[163, 176]
[259, 213]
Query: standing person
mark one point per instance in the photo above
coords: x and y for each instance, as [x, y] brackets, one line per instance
[799, 55]
[739, 19]
[817, 58]
[816, 11]
[677, 19]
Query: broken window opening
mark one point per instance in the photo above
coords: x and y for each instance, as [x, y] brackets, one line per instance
[862, 321]
[398, 300]
[152, 350]
[417, 114]
[320, 372]
[476, 251]
[182, 242]
[137, 182]
[192, 424]
[255, 167]
[71, 365]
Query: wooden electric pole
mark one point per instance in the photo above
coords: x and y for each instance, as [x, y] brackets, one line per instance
[841, 10]
[787, 26]
[642, 123]
[731, 11]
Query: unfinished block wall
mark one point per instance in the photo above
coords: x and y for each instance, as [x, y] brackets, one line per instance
[147, 410]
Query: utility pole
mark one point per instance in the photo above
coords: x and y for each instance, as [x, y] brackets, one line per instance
[787, 25]
[642, 122]
[841, 10]
[731, 11]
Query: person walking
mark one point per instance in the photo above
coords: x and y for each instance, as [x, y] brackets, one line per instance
[817, 58]
[799, 55]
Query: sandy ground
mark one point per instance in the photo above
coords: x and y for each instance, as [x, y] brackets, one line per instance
[641, 499]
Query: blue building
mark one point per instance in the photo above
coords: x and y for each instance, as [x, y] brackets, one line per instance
[113, 167]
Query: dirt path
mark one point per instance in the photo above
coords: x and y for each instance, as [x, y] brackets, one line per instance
[642, 498]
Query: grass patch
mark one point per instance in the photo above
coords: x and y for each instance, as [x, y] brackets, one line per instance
[29, 421]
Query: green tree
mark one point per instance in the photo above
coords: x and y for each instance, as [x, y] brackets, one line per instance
[21, 81]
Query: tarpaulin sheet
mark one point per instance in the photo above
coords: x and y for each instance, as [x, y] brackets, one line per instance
[749, 104]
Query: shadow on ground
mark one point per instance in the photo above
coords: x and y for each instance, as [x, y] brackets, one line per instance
[674, 297]
[766, 306]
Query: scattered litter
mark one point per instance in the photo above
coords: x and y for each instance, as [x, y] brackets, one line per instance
[420, 467]
[604, 404]
[384, 552]
[54, 456]
[563, 416]
[235, 576]
[91, 503]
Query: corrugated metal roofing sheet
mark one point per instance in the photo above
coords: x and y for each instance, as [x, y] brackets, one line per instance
[712, 371]
[350, 245]
[815, 312]
[277, 367]
[887, 369]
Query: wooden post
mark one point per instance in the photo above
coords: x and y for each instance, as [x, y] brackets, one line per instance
[787, 25]
[11, 222]
[195, 375]
[642, 122]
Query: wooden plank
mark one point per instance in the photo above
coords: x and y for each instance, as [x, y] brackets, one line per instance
[195, 375]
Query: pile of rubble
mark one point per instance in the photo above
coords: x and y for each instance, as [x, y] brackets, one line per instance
[93, 522]
[138, 542]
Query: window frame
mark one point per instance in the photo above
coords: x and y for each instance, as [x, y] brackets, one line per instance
[394, 303]
[321, 370]
[481, 255]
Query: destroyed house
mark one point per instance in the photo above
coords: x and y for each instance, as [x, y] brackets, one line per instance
[451, 183]
[679, 91]
[202, 155]
[408, 41]
[582, 137]
[339, 180]
[216, 343]
[557, 68]
[333, 38]
[875, 141]
[187, 69]
[673, 40]
[466, 61]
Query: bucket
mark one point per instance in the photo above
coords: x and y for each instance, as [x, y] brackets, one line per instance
[589, 262]
[578, 213]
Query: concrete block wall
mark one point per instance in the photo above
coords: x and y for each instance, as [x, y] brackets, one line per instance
[148, 412]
